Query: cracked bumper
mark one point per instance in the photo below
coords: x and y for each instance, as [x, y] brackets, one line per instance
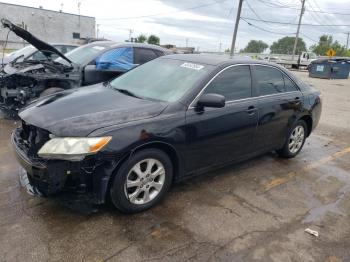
[86, 180]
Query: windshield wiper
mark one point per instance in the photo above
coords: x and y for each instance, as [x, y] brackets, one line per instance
[127, 92]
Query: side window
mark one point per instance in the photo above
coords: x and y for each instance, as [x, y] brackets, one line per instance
[143, 55]
[158, 53]
[269, 80]
[38, 55]
[70, 48]
[62, 49]
[234, 83]
[289, 86]
[116, 59]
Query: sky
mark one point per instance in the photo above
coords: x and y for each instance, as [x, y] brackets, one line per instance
[208, 25]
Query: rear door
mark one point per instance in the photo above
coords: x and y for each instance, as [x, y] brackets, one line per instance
[279, 101]
[220, 135]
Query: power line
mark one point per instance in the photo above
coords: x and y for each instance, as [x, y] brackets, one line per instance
[286, 23]
[280, 5]
[274, 5]
[262, 29]
[166, 13]
[308, 38]
[259, 17]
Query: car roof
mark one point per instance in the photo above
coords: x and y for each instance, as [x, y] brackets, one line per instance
[216, 60]
[62, 44]
[113, 44]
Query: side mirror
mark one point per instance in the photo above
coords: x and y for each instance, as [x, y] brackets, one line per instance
[211, 100]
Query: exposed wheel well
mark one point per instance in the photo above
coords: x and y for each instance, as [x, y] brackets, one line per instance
[308, 120]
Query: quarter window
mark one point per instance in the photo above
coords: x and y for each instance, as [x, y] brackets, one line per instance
[269, 80]
[234, 83]
[289, 86]
[143, 55]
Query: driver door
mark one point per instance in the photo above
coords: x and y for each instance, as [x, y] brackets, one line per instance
[217, 136]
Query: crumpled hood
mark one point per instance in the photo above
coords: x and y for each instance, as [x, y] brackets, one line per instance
[78, 112]
[44, 47]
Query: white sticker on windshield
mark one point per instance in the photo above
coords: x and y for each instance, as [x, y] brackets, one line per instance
[192, 66]
[98, 47]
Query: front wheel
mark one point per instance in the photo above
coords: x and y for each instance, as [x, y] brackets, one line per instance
[142, 181]
[295, 140]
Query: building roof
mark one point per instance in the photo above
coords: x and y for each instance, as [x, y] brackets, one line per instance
[43, 9]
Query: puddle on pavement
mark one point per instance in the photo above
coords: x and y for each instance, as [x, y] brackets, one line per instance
[318, 209]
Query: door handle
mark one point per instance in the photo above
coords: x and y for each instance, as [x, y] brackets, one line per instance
[251, 110]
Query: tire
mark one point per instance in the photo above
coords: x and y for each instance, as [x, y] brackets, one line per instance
[288, 150]
[134, 179]
[50, 91]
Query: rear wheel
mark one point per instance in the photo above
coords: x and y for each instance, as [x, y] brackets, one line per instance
[142, 181]
[295, 140]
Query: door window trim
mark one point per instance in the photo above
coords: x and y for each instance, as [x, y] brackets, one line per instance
[191, 106]
[251, 67]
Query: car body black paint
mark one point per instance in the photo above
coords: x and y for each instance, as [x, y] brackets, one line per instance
[200, 140]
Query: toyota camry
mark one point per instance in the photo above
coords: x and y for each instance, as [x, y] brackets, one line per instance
[129, 139]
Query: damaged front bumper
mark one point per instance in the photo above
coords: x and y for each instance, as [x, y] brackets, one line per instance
[85, 180]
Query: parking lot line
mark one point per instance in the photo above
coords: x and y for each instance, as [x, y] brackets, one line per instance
[282, 180]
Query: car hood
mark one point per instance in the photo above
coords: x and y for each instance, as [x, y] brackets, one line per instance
[42, 46]
[5, 60]
[78, 112]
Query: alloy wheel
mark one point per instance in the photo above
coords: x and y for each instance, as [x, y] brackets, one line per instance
[144, 181]
[296, 139]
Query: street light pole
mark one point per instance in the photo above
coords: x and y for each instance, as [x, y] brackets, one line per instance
[297, 36]
[238, 17]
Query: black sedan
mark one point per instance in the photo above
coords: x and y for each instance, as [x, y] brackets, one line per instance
[171, 118]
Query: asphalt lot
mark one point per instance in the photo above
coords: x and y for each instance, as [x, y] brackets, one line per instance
[258, 209]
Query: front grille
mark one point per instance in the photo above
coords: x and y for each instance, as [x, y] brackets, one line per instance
[33, 138]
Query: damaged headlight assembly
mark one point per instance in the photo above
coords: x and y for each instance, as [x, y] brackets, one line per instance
[72, 148]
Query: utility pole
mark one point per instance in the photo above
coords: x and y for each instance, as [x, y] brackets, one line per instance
[186, 42]
[297, 36]
[238, 17]
[79, 4]
[347, 40]
[130, 33]
[97, 30]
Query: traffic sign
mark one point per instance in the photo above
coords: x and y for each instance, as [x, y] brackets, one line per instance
[331, 52]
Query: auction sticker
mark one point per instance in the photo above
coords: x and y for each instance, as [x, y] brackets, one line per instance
[319, 68]
[192, 66]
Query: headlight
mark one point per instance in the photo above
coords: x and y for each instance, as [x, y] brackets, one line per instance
[72, 148]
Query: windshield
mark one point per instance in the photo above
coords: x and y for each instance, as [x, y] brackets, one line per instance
[84, 54]
[161, 79]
